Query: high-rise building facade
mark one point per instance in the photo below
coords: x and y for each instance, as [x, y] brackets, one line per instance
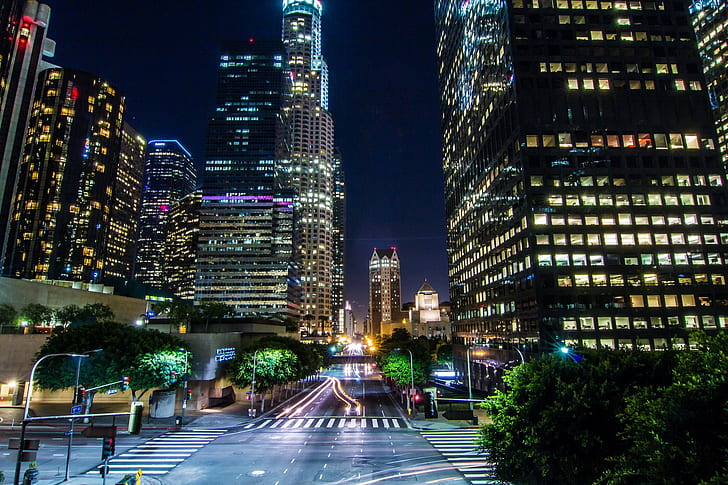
[385, 289]
[22, 48]
[307, 153]
[246, 247]
[124, 213]
[70, 186]
[339, 227]
[183, 229]
[710, 21]
[585, 196]
[169, 175]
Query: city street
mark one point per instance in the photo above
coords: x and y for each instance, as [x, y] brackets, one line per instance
[346, 429]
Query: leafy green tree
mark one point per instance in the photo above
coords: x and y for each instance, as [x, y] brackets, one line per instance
[151, 359]
[8, 316]
[97, 312]
[179, 311]
[68, 314]
[444, 354]
[309, 357]
[36, 314]
[214, 311]
[273, 367]
[679, 433]
[558, 423]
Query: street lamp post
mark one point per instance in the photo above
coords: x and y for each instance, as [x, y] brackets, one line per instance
[410, 400]
[470, 383]
[251, 410]
[184, 388]
[18, 463]
[73, 421]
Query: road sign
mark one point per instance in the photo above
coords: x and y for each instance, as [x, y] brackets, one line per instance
[68, 432]
[76, 409]
[112, 391]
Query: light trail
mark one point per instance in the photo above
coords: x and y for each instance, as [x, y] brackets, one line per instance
[301, 405]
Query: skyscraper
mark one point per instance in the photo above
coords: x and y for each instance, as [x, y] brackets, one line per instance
[585, 197]
[307, 152]
[169, 175]
[124, 213]
[710, 21]
[72, 196]
[385, 289]
[246, 248]
[183, 229]
[22, 48]
[339, 226]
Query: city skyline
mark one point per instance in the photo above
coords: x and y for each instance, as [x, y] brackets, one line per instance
[390, 81]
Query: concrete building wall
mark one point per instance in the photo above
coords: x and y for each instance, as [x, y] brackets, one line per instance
[19, 293]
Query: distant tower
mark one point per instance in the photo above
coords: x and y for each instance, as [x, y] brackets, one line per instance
[22, 47]
[183, 228]
[120, 254]
[169, 175]
[308, 152]
[337, 290]
[246, 246]
[72, 188]
[710, 21]
[385, 289]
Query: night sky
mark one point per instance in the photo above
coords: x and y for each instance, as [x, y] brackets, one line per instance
[383, 95]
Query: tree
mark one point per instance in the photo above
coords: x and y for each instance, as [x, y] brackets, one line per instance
[68, 315]
[444, 354]
[396, 365]
[557, 422]
[180, 312]
[272, 367]
[214, 311]
[309, 356]
[36, 314]
[8, 316]
[679, 433]
[151, 359]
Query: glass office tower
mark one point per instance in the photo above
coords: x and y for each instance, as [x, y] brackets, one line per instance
[72, 194]
[710, 21]
[169, 175]
[585, 196]
[23, 46]
[245, 255]
[339, 225]
[307, 152]
[183, 229]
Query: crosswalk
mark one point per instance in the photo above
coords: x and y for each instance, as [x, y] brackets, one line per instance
[329, 423]
[458, 446]
[160, 455]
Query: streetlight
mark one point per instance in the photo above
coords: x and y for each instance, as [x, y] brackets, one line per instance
[251, 410]
[410, 402]
[27, 408]
[184, 388]
[75, 393]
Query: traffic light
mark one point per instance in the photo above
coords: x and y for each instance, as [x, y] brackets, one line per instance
[189, 394]
[417, 398]
[80, 395]
[125, 382]
[107, 449]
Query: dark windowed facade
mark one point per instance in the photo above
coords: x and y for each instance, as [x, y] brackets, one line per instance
[245, 254]
[169, 175]
[70, 189]
[585, 195]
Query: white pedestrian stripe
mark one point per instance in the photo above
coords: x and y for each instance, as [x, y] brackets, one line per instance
[460, 448]
[159, 455]
[332, 424]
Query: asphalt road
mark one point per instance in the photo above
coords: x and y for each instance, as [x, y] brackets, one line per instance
[320, 438]
[347, 430]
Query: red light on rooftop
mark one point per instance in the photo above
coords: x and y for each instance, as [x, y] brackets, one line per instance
[74, 93]
[251, 40]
